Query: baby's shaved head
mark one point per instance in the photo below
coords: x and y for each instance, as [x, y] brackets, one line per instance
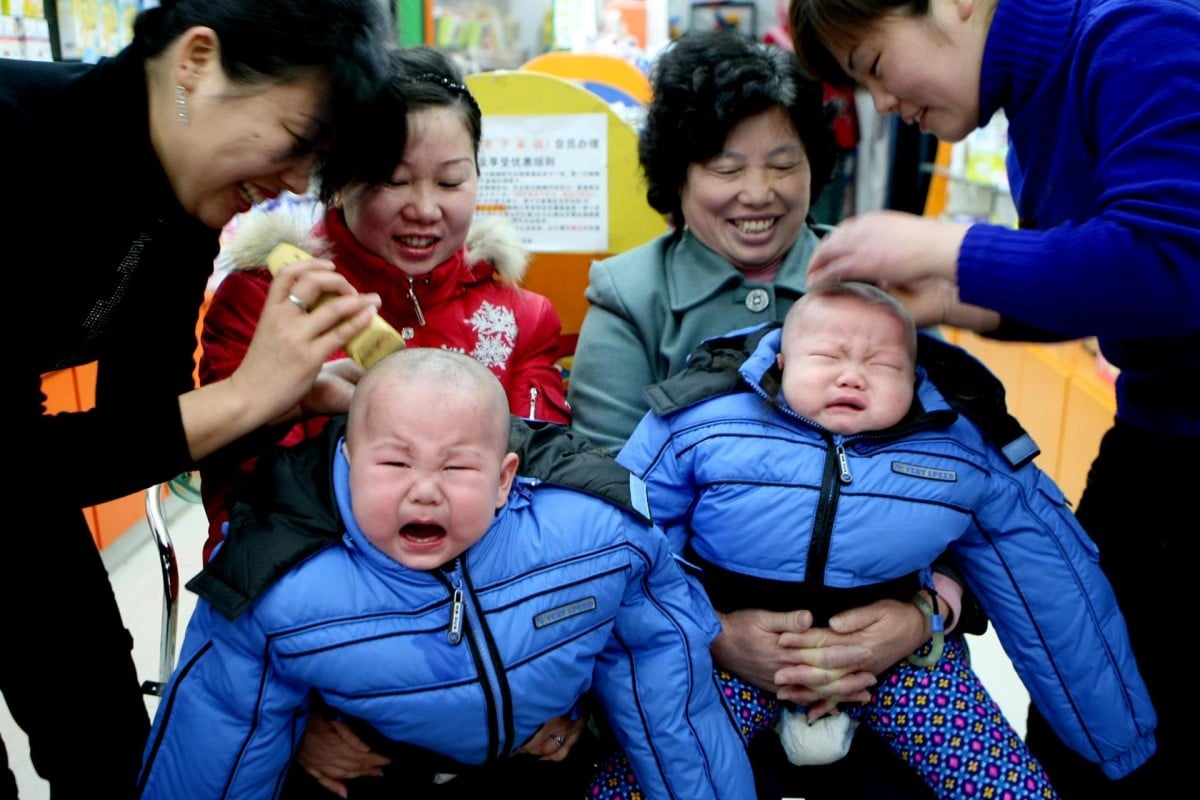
[443, 371]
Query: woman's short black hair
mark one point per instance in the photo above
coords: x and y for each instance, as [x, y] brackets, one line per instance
[704, 84]
[418, 78]
[814, 24]
[280, 41]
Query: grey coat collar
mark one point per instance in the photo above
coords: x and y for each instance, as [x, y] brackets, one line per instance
[708, 273]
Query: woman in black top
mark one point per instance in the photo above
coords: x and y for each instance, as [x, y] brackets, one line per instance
[119, 177]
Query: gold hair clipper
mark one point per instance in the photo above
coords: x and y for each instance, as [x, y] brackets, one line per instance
[378, 340]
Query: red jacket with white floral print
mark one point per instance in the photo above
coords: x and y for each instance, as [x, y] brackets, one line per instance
[472, 303]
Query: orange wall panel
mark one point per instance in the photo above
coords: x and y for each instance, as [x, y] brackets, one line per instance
[1002, 358]
[1041, 402]
[1058, 396]
[562, 278]
[1089, 414]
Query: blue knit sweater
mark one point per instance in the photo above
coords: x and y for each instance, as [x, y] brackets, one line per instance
[1103, 103]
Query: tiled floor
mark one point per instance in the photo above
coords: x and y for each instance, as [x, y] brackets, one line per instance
[134, 571]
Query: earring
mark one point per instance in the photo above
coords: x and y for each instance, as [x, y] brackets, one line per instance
[181, 103]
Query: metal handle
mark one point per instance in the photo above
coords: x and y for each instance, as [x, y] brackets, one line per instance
[170, 581]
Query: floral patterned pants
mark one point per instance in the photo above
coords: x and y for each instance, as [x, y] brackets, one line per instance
[939, 719]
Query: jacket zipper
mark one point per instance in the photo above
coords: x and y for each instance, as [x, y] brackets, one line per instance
[465, 618]
[454, 634]
[412, 296]
[533, 395]
[835, 474]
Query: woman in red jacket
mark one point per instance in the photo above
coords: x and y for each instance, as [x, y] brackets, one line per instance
[403, 230]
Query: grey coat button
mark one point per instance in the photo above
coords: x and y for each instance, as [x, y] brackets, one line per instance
[757, 300]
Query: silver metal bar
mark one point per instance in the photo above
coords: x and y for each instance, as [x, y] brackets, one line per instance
[170, 581]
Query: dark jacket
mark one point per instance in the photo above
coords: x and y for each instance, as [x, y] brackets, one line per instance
[107, 266]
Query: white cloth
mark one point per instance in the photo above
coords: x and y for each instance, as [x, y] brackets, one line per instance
[821, 742]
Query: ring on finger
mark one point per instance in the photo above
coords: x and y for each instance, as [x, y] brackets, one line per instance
[562, 740]
[300, 304]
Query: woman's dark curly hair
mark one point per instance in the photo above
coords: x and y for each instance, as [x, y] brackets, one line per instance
[705, 83]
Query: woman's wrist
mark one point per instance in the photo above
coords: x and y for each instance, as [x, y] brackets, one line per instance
[949, 597]
[927, 605]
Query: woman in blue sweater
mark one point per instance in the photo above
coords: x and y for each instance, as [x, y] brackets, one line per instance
[1103, 103]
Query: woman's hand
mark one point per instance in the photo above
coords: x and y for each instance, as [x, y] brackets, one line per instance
[290, 344]
[881, 634]
[330, 393]
[914, 258]
[888, 248]
[553, 741]
[334, 386]
[755, 644]
[934, 301]
[332, 753]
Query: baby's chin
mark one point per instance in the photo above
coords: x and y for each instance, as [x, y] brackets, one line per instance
[424, 558]
[843, 423]
[423, 551]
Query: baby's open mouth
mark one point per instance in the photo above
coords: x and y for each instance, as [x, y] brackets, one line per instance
[422, 530]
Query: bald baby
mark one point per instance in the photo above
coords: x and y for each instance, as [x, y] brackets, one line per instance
[427, 446]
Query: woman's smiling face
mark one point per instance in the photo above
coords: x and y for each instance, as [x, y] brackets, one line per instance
[421, 217]
[925, 69]
[750, 201]
[228, 145]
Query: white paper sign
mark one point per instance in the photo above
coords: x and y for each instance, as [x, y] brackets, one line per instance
[549, 175]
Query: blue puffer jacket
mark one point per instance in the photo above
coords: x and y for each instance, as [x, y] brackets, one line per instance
[565, 593]
[764, 498]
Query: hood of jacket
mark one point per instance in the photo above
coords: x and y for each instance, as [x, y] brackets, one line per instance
[492, 240]
[287, 510]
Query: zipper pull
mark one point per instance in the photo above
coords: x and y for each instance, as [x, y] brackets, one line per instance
[454, 635]
[454, 578]
[533, 394]
[844, 465]
[412, 296]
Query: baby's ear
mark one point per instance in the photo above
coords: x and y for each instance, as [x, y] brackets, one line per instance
[779, 360]
[508, 471]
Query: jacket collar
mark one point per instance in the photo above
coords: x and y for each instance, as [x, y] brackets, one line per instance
[369, 272]
[705, 273]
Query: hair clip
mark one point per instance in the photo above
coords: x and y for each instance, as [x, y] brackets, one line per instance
[448, 85]
[441, 80]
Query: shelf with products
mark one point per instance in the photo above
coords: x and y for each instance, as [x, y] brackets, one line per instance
[24, 31]
[481, 35]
